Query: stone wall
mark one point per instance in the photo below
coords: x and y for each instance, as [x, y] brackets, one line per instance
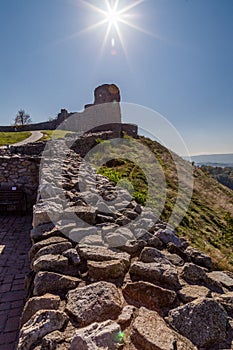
[49, 125]
[19, 165]
[23, 172]
[93, 116]
[120, 128]
[101, 279]
[30, 149]
[80, 144]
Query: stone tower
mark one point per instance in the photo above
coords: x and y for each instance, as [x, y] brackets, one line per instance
[100, 115]
[105, 93]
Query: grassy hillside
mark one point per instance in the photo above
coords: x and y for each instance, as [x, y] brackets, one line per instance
[8, 138]
[223, 175]
[208, 223]
[55, 134]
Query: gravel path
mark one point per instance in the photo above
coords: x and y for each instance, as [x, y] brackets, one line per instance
[35, 136]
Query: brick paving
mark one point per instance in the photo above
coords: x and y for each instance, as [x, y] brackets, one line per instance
[14, 265]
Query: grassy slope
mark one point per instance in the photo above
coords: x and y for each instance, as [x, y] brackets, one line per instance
[8, 138]
[55, 134]
[208, 224]
[223, 175]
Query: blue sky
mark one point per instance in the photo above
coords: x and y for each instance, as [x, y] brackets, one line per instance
[183, 69]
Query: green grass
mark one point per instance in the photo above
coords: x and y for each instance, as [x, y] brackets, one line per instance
[54, 134]
[208, 223]
[8, 138]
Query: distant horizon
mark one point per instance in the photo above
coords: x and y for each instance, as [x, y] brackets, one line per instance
[212, 154]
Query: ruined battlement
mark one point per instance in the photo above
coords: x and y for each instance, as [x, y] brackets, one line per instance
[104, 110]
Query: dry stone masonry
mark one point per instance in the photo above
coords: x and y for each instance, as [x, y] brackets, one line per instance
[22, 172]
[97, 283]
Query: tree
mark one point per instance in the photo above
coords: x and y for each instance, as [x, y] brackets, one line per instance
[22, 118]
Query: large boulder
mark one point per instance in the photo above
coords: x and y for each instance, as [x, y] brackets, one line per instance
[51, 282]
[43, 231]
[72, 256]
[158, 273]
[96, 302]
[98, 253]
[126, 315]
[192, 273]
[105, 335]
[46, 212]
[179, 251]
[119, 237]
[133, 247]
[92, 240]
[174, 259]
[190, 293]
[78, 233]
[199, 258]
[45, 243]
[150, 332]
[85, 213]
[101, 270]
[56, 248]
[222, 278]
[49, 262]
[42, 323]
[149, 255]
[203, 321]
[168, 236]
[155, 242]
[54, 340]
[47, 301]
[226, 300]
[148, 295]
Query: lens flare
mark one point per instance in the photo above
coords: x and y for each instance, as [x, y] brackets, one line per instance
[113, 15]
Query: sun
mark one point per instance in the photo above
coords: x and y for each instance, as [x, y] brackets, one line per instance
[114, 16]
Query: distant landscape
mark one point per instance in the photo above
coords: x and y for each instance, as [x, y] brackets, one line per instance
[223, 160]
[218, 166]
[224, 175]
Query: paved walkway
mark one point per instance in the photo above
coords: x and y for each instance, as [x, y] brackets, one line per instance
[14, 265]
[35, 136]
